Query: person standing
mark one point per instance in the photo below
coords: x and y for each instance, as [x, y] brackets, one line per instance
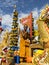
[16, 57]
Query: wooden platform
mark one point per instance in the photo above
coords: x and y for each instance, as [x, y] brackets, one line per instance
[26, 64]
[36, 46]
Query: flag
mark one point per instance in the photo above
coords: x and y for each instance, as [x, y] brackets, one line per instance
[0, 21]
[28, 21]
[0, 24]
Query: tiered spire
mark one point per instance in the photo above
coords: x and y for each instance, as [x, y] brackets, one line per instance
[14, 31]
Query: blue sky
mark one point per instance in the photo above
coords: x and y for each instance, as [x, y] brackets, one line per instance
[24, 7]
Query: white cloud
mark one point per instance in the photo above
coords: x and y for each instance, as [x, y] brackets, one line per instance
[7, 21]
[22, 15]
[35, 16]
[35, 13]
[21, 26]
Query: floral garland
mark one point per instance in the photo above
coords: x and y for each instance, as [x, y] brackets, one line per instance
[40, 59]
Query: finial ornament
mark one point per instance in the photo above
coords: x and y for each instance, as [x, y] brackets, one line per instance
[14, 6]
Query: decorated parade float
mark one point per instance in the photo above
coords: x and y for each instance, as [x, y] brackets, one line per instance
[9, 46]
[43, 28]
